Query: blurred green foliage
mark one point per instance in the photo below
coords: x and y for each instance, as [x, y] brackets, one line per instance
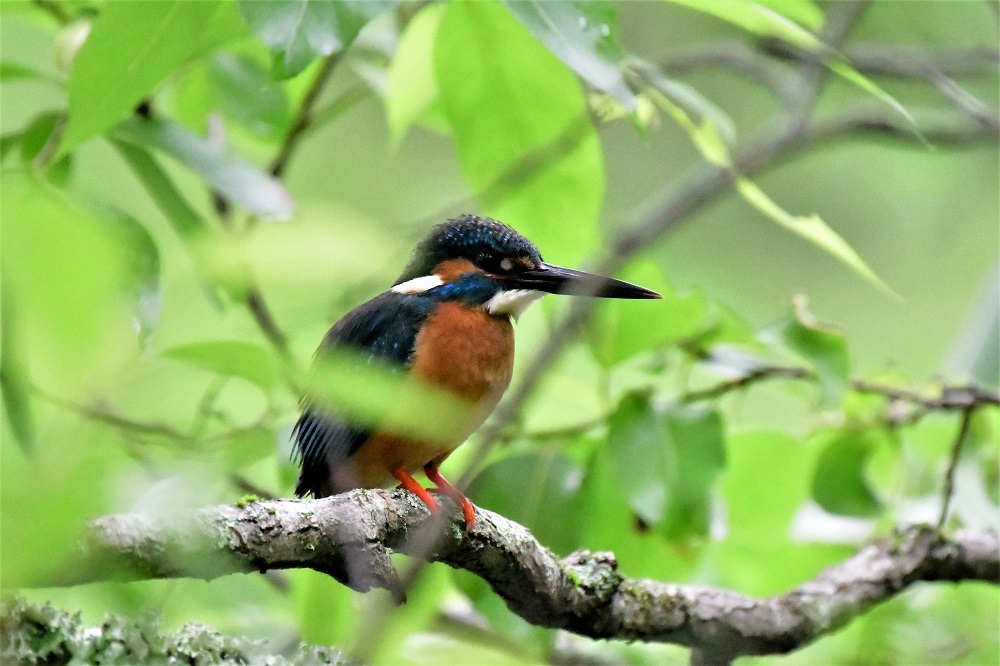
[140, 218]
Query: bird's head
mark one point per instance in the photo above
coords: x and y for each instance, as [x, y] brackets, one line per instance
[480, 261]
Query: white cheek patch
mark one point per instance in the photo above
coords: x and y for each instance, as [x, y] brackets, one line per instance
[418, 285]
[513, 302]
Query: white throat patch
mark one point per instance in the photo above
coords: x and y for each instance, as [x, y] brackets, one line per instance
[418, 285]
[513, 302]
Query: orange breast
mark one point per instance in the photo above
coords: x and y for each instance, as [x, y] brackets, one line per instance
[464, 351]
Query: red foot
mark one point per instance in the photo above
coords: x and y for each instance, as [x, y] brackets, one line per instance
[451, 491]
[407, 482]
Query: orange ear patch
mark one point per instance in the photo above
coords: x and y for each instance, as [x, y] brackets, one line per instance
[452, 269]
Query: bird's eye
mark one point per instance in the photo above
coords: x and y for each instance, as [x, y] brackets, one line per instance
[506, 265]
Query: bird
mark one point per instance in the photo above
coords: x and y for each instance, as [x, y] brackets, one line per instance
[447, 320]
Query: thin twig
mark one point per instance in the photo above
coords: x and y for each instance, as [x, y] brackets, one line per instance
[752, 377]
[956, 451]
[303, 118]
[120, 422]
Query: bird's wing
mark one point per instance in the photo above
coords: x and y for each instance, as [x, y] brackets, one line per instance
[383, 329]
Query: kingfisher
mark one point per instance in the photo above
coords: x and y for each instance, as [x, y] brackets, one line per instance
[448, 321]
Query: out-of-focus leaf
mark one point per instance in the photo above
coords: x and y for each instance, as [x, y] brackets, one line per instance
[14, 379]
[248, 447]
[132, 47]
[188, 224]
[65, 266]
[756, 18]
[246, 94]
[765, 483]
[642, 455]
[215, 269]
[230, 358]
[412, 86]
[823, 346]
[687, 98]
[373, 393]
[61, 171]
[814, 229]
[611, 524]
[299, 31]
[569, 395]
[11, 71]
[37, 134]
[840, 485]
[540, 490]
[698, 441]
[584, 35]
[624, 328]
[776, 18]
[725, 326]
[8, 142]
[236, 180]
[976, 352]
[142, 272]
[848, 73]
[705, 135]
[537, 167]
[804, 12]
[62, 485]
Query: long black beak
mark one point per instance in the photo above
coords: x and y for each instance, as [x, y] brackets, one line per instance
[559, 280]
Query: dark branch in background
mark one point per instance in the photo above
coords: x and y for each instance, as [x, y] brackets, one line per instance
[583, 593]
[304, 116]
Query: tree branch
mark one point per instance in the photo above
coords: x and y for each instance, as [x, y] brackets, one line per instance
[349, 537]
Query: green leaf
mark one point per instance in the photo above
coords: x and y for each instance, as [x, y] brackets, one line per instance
[698, 440]
[412, 86]
[622, 328]
[840, 485]
[537, 167]
[687, 98]
[14, 379]
[848, 73]
[765, 482]
[756, 18]
[246, 94]
[11, 71]
[132, 47]
[142, 271]
[66, 268]
[814, 230]
[776, 18]
[824, 347]
[188, 224]
[37, 134]
[371, 393]
[215, 270]
[976, 351]
[246, 448]
[584, 35]
[642, 456]
[300, 31]
[236, 180]
[230, 358]
[804, 12]
[540, 490]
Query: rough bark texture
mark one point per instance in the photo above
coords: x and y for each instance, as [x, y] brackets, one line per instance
[350, 536]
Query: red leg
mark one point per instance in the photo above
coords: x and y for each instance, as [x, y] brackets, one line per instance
[409, 483]
[451, 491]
